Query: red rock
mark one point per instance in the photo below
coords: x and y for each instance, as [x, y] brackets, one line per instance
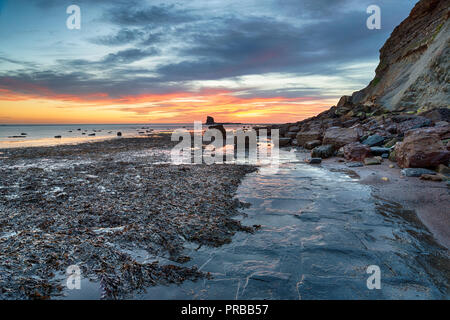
[442, 131]
[421, 149]
[356, 151]
[339, 137]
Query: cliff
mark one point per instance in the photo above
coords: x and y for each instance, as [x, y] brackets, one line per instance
[413, 73]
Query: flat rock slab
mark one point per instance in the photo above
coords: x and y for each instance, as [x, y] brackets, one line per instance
[416, 172]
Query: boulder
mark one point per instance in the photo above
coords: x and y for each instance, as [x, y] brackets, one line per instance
[325, 151]
[442, 131]
[312, 144]
[339, 137]
[307, 136]
[374, 140]
[416, 172]
[356, 151]
[344, 100]
[421, 149]
[119, 134]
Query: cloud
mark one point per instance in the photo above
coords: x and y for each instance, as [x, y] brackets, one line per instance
[188, 46]
[123, 36]
[131, 14]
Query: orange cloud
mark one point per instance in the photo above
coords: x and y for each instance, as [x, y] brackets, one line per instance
[34, 104]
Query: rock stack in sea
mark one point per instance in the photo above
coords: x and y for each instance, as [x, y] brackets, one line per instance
[404, 113]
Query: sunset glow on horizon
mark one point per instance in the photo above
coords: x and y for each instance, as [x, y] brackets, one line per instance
[170, 108]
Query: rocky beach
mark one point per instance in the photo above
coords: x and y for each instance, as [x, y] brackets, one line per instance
[98, 205]
[363, 184]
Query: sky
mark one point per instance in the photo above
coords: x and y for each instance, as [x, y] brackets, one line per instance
[251, 61]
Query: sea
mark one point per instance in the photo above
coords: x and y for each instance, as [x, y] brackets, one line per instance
[14, 136]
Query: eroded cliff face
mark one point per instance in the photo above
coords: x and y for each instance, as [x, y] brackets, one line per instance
[413, 73]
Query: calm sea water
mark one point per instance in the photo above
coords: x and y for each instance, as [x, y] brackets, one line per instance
[12, 136]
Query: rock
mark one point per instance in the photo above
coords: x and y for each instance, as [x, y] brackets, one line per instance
[422, 149]
[391, 166]
[283, 129]
[119, 134]
[374, 140]
[437, 115]
[284, 142]
[307, 136]
[441, 124]
[314, 160]
[391, 143]
[431, 177]
[209, 120]
[385, 179]
[291, 134]
[312, 144]
[58, 137]
[354, 164]
[372, 161]
[91, 135]
[378, 151]
[385, 155]
[416, 172]
[442, 131]
[345, 100]
[294, 129]
[339, 137]
[393, 156]
[443, 169]
[325, 151]
[340, 152]
[356, 151]
[413, 123]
